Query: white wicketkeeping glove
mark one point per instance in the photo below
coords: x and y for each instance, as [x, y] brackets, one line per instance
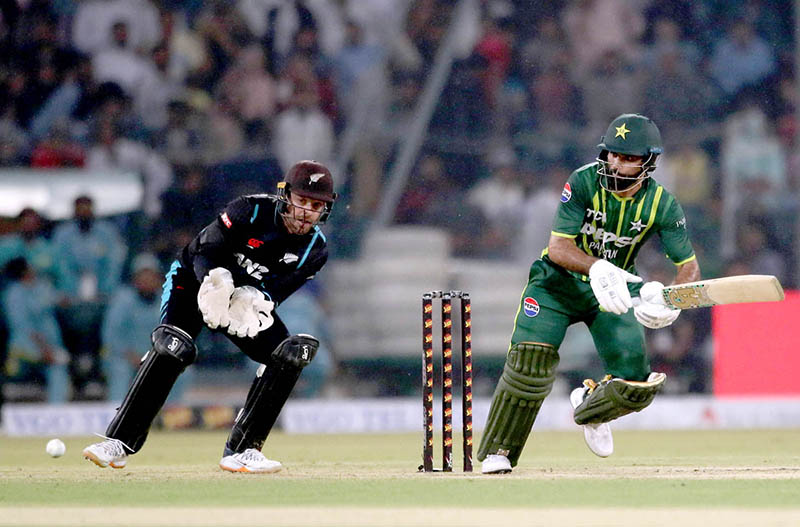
[652, 312]
[250, 312]
[214, 296]
[610, 286]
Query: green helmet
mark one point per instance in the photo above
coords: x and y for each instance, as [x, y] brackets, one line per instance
[632, 134]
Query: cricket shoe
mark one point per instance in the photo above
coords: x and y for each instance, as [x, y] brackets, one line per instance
[110, 452]
[496, 464]
[597, 435]
[251, 460]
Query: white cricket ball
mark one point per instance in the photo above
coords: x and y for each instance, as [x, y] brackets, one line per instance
[56, 447]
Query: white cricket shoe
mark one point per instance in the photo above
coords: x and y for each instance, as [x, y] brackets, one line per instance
[496, 464]
[110, 452]
[251, 460]
[597, 435]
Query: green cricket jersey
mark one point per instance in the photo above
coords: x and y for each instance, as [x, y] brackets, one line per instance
[614, 228]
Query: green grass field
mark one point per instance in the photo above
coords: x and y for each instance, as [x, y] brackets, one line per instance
[690, 478]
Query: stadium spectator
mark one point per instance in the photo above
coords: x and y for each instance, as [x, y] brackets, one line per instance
[132, 313]
[680, 98]
[622, 23]
[120, 63]
[752, 244]
[113, 152]
[29, 242]
[35, 347]
[93, 24]
[357, 62]
[428, 202]
[500, 196]
[741, 58]
[668, 40]
[496, 47]
[65, 99]
[183, 140]
[548, 47]
[156, 89]
[89, 253]
[753, 161]
[192, 195]
[249, 87]
[536, 214]
[613, 73]
[302, 131]
[224, 32]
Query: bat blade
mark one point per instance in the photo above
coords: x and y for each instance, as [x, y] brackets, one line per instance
[727, 290]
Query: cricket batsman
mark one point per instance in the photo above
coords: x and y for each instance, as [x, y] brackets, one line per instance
[255, 254]
[608, 210]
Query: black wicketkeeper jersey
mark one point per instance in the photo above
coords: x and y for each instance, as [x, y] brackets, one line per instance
[250, 240]
[614, 228]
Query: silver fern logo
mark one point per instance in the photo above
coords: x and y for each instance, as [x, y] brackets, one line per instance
[289, 258]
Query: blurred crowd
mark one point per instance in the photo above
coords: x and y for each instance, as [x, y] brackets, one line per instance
[210, 99]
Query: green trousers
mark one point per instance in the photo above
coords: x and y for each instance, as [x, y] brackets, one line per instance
[554, 299]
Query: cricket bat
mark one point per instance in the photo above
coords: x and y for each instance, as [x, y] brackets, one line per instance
[727, 290]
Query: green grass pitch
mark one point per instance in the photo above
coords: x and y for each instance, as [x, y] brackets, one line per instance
[732, 475]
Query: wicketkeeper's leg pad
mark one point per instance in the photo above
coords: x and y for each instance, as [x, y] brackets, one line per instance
[268, 393]
[172, 351]
[527, 379]
[614, 397]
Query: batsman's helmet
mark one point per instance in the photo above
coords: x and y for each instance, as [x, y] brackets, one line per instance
[309, 179]
[630, 134]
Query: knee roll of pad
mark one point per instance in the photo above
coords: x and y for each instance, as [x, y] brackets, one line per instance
[296, 350]
[174, 342]
[527, 379]
[616, 397]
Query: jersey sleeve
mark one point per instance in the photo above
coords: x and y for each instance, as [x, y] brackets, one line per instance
[569, 216]
[212, 247]
[674, 234]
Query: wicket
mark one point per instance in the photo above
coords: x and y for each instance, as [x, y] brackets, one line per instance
[447, 379]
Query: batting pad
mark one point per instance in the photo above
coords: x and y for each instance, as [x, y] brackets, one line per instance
[527, 379]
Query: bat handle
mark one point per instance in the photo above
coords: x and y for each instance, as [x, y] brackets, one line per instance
[637, 301]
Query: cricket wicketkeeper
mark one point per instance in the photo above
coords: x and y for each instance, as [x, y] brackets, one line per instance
[255, 254]
[608, 210]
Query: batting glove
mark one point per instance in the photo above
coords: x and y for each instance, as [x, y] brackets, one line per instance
[610, 286]
[652, 312]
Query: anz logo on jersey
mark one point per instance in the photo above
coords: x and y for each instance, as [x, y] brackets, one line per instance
[252, 268]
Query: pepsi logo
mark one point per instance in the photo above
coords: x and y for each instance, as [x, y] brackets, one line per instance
[530, 306]
[566, 193]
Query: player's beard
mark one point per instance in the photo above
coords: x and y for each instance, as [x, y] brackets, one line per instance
[618, 183]
[295, 221]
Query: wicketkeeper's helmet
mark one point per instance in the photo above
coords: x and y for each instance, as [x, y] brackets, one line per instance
[630, 134]
[309, 179]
